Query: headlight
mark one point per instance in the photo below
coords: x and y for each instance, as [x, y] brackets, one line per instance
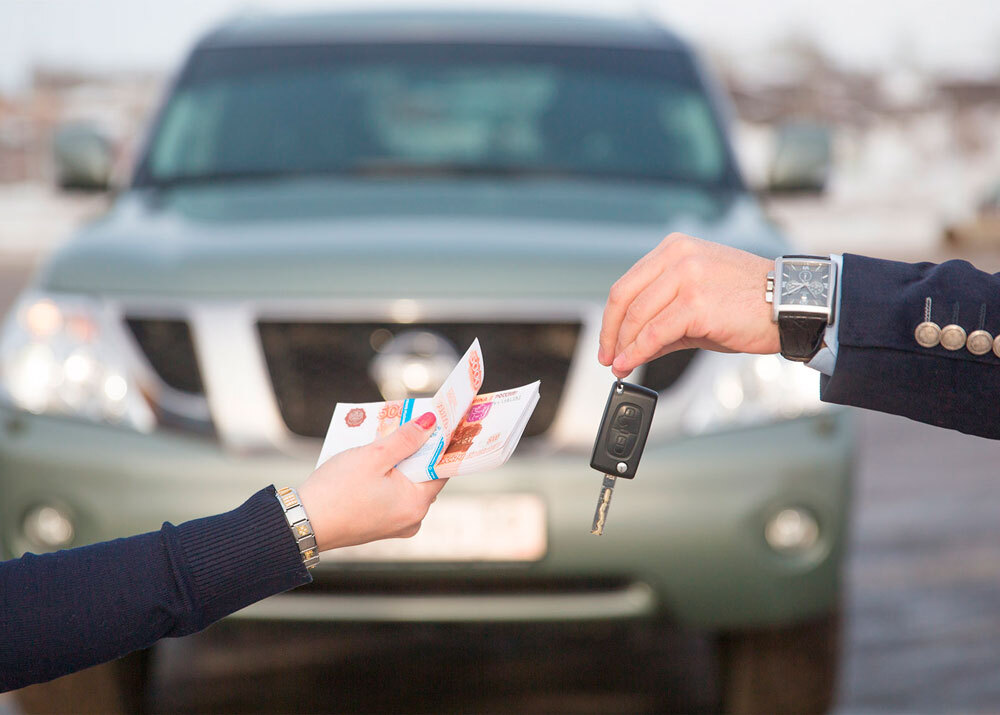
[741, 390]
[63, 356]
[792, 530]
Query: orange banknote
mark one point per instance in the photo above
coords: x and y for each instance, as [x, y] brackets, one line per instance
[473, 432]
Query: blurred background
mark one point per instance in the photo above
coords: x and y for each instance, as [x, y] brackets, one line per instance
[907, 101]
[899, 104]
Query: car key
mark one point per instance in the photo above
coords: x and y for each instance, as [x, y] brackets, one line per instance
[620, 440]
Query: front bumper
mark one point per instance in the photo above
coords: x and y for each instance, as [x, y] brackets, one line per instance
[684, 539]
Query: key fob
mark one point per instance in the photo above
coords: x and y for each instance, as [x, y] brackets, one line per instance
[622, 434]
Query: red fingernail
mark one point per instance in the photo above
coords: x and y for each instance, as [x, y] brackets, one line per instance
[427, 420]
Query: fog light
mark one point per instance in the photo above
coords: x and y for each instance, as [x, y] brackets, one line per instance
[48, 526]
[792, 530]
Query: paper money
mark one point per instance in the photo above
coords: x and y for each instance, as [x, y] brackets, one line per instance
[473, 432]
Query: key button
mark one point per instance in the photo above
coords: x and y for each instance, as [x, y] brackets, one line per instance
[628, 418]
[621, 444]
[617, 443]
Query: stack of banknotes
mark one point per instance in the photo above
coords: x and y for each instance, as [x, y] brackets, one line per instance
[473, 432]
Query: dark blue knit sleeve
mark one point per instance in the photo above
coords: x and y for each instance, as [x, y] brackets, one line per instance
[69, 610]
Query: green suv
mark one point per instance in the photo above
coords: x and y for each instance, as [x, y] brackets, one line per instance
[317, 192]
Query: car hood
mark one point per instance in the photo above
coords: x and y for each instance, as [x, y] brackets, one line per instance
[389, 239]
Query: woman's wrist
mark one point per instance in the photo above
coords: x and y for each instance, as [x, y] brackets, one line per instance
[300, 526]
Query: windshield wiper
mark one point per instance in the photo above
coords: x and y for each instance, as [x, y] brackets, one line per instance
[364, 169]
[392, 169]
[225, 177]
[381, 168]
[410, 168]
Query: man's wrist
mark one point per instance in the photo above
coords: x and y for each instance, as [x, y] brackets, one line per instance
[825, 361]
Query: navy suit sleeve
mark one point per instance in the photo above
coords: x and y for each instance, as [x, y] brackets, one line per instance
[69, 610]
[881, 367]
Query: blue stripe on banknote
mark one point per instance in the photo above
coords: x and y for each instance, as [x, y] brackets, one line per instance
[434, 459]
[407, 412]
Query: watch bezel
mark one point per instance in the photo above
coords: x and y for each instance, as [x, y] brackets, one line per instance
[779, 307]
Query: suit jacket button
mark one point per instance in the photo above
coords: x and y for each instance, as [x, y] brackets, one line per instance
[979, 343]
[996, 346]
[928, 334]
[953, 337]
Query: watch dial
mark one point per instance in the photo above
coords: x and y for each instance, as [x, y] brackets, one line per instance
[805, 283]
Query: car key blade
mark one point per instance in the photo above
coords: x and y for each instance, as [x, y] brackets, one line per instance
[603, 504]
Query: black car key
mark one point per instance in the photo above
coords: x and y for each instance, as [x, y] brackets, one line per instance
[620, 440]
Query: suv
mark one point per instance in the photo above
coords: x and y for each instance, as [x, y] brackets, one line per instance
[318, 190]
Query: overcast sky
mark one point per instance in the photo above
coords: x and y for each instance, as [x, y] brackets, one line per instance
[957, 37]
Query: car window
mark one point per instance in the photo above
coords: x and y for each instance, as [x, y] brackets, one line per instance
[410, 114]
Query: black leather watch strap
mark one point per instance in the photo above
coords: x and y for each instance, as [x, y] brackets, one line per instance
[801, 335]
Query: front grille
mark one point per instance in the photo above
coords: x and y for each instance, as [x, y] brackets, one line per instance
[664, 371]
[314, 365]
[169, 348]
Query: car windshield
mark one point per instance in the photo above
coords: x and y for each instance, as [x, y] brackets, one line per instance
[406, 110]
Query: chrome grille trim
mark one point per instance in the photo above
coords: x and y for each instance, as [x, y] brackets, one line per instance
[242, 403]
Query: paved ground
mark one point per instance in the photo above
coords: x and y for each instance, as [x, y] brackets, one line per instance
[924, 572]
[923, 608]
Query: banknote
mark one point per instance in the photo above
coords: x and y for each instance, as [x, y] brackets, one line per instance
[473, 432]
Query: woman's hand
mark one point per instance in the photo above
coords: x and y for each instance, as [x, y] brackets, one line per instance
[687, 293]
[359, 496]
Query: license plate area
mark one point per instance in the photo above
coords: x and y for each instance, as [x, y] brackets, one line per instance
[464, 528]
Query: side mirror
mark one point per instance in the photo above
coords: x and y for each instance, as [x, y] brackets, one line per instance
[802, 159]
[84, 157]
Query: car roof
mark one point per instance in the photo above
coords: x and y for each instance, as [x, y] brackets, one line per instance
[263, 29]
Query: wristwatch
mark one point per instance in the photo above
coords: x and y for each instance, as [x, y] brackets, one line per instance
[801, 290]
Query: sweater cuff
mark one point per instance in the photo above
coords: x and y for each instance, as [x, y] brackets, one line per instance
[239, 557]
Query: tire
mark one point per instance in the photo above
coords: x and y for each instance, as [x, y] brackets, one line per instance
[789, 669]
[115, 687]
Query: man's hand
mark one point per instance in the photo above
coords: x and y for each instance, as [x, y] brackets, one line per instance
[359, 496]
[687, 293]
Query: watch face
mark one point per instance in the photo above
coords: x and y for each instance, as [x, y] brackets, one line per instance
[805, 283]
